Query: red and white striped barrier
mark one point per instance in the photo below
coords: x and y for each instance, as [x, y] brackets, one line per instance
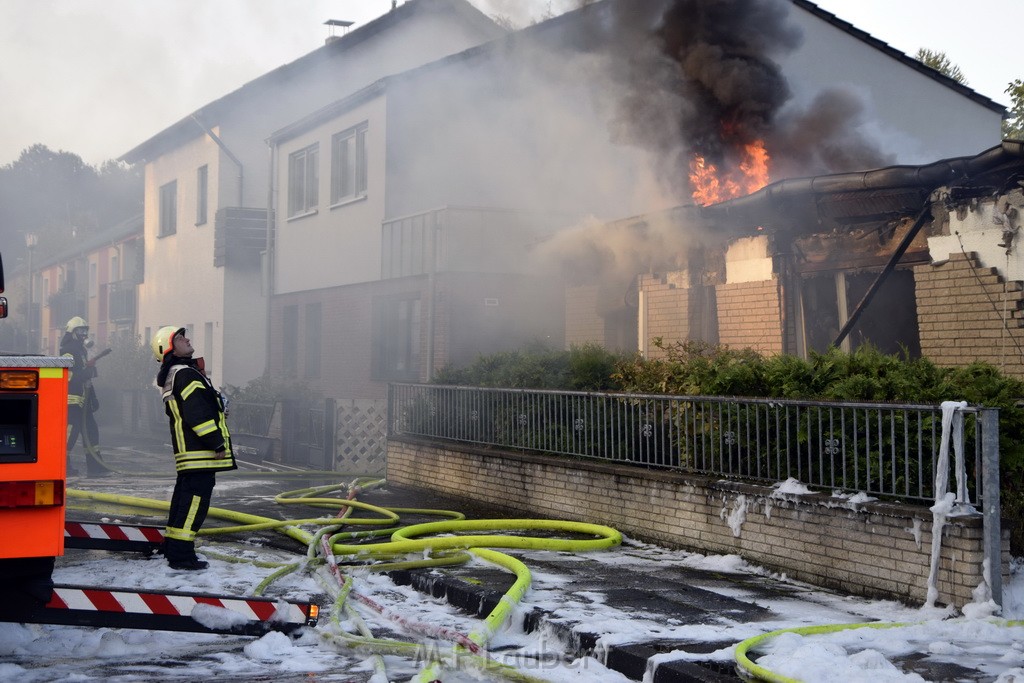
[106, 536]
[173, 611]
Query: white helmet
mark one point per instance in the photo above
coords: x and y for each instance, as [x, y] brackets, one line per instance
[76, 323]
[163, 341]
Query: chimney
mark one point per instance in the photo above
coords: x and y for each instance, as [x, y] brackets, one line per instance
[334, 24]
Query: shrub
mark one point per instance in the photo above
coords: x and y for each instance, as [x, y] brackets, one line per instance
[694, 368]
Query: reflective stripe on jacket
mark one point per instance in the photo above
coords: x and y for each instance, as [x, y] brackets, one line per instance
[198, 424]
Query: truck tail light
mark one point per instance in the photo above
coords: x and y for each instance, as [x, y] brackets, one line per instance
[19, 379]
[17, 494]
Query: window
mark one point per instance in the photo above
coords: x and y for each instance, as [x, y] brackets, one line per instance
[348, 164]
[290, 330]
[93, 280]
[115, 267]
[168, 209]
[208, 344]
[396, 338]
[313, 321]
[202, 193]
[889, 322]
[303, 178]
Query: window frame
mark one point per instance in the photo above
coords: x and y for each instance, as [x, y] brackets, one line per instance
[202, 194]
[304, 192]
[290, 339]
[313, 328]
[349, 165]
[167, 223]
[396, 338]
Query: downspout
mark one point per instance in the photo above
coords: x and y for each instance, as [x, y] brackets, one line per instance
[268, 260]
[234, 159]
[922, 218]
[431, 296]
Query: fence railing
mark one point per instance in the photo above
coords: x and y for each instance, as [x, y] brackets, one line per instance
[887, 450]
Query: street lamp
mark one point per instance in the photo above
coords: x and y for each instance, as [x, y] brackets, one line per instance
[30, 242]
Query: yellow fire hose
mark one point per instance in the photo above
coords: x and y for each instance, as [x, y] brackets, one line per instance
[417, 539]
[752, 671]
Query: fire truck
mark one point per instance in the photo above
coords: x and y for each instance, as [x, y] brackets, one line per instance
[34, 530]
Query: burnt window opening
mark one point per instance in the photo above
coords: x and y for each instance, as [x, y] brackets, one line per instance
[888, 322]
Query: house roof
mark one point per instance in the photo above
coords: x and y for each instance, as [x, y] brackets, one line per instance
[913, 63]
[102, 238]
[187, 128]
[836, 201]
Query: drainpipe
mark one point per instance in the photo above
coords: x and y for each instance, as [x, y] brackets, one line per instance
[432, 295]
[268, 259]
[220, 143]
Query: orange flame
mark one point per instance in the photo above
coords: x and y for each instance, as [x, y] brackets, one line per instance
[709, 186]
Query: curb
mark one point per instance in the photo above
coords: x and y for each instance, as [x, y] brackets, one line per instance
[629, 659]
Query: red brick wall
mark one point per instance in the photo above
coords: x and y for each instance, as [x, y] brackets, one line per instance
[960, 309]
[750, 316]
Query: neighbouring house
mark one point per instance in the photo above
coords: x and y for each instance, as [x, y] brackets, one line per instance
[97, 278]
[207, 228]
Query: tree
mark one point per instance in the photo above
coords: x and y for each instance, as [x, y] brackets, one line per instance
[941, 63]
[1013, 125]
[58, 196]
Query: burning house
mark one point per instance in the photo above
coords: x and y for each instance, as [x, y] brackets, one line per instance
[484, 216]
[924, 259]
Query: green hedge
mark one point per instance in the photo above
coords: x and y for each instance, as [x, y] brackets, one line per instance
[701, 369]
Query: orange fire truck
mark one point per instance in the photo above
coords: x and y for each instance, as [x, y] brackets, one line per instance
[34, 532]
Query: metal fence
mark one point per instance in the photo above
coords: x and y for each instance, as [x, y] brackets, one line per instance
[886, 450]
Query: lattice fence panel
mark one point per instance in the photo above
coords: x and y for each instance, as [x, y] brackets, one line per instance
[361, 436]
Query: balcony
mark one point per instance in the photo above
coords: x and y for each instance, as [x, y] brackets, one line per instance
[66, 305]
[460, 239]
[239, 237]
[122, 301]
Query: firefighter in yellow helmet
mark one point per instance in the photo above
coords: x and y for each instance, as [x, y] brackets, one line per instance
[82, 402]
[199, 435]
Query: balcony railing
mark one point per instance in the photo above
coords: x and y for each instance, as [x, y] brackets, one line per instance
[122, 301]
[460, 239]
[66, 305]
[240, 235]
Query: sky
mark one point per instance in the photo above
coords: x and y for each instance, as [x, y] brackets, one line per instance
[98, 77]
[44, 653]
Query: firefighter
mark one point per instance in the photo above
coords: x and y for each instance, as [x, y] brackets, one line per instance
[199, 435]
[82, 401]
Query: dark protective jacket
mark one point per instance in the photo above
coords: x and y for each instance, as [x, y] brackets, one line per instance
[80, 373]
[196, 411]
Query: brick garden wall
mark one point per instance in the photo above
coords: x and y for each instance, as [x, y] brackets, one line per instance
[871, 549]
[960, 309]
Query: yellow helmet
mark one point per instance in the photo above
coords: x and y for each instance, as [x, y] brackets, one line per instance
[75, 323]
[163, 341]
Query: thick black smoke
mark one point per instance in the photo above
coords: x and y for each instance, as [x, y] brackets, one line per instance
[715, 62]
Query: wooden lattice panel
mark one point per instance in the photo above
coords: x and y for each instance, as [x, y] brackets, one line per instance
[361, 436]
